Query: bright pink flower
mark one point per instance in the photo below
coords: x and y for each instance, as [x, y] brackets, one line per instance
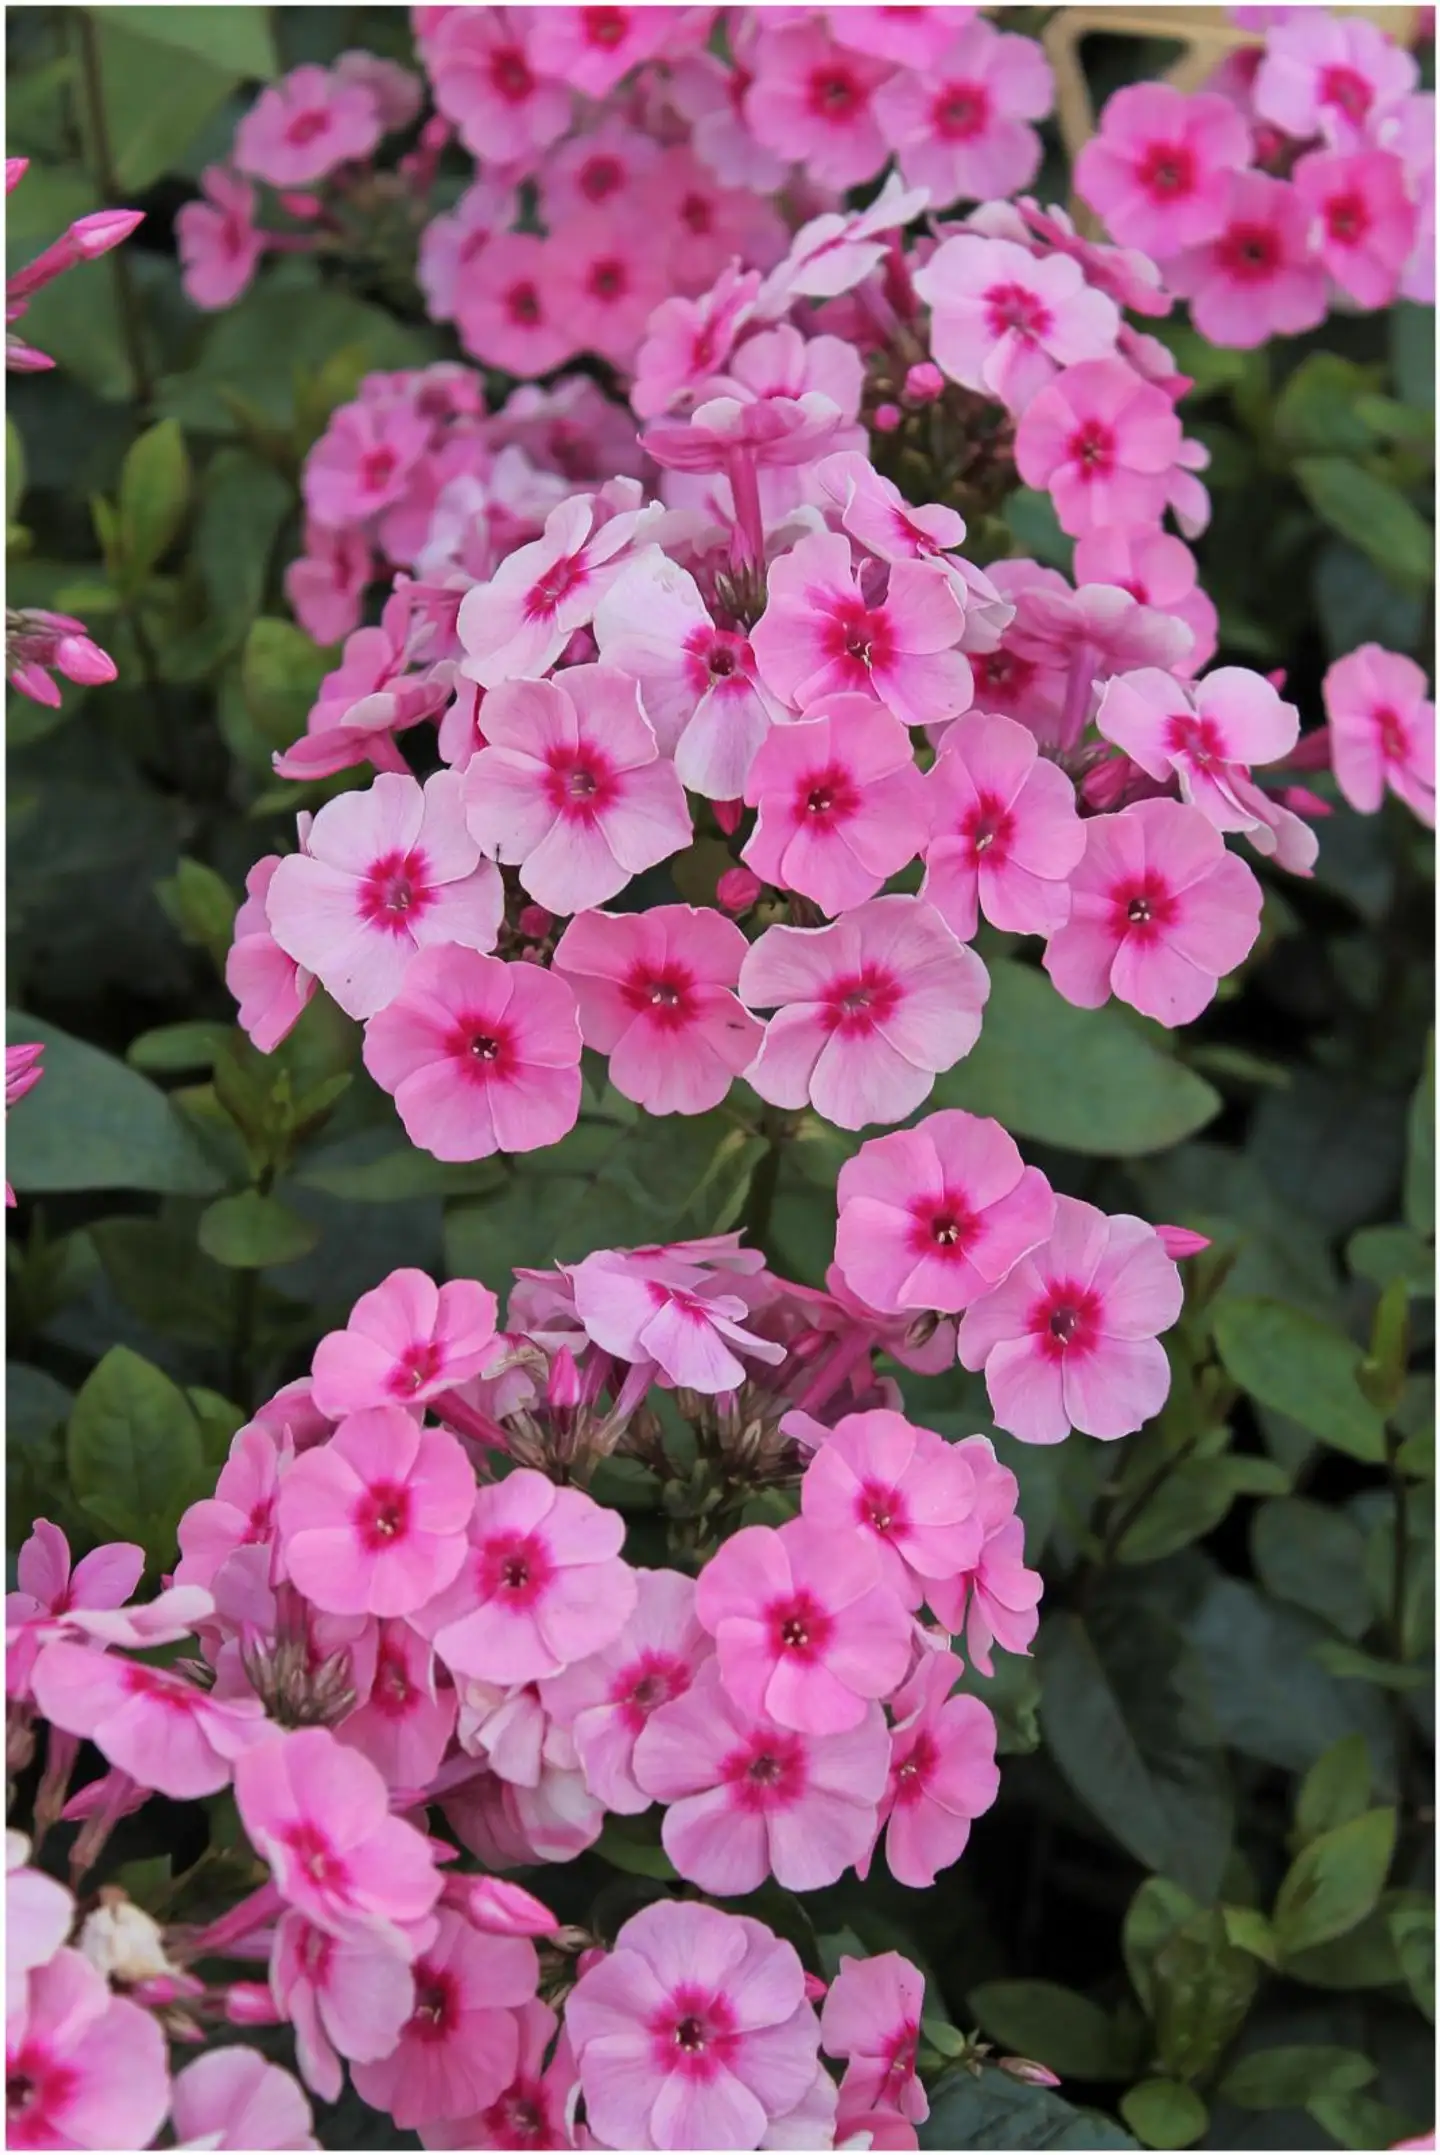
[694, 2032]
[22, 1070]
[1382, 730]
[871, 2018]
[235, 2098]
[905, 1490]
[958, 126]
[324, 584]
[879, 518]
[812, 102]
[942, 1773]
[1205, 733]
[158, 1727]
[687, 340]
[518, 623]
[460, 2047]
[1331, 75]
[364, 461]
[605, 280]
[267, 984]
[842, 805]
[480, 1056]
[820, 635]
[1092, 632]
[657, 1306]
[1257, 278]
[505, 312]
[655, 992]
[47, 1588]
[220, 245]
[1068, 1341]
[319, 1815]
[480, 66]
[407, 1721]
[1159, 911]
[590, 48]
[606, 1700]
[83, 2069]
[867, 1011]
[39, 1915]
[608, 167]
[1157, 570]
[347, 1993]
[1364, 219]
[452, 243]
[995, 1601]
[384, 873]
[1004, 321]
[910, 36]
[933, 1217]
[838, 249]
[1102, 442]
[1004, 833]
[748, 1799]
[543, 1583]
[406, 1340]
[1156, 171]
[531, 2112]
[571, 786]
[240, 1513]
[373, 1523]
[806, 1626]
[305, 125]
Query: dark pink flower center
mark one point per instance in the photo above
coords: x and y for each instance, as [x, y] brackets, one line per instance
[799, 1627]
[510, 75]
[519, 2118]
[827, 796]
[522, 304]
[652, 1680]
[397, 891]
[514, 1569]
[1394, 740]
[608, 279]
[693, 2033]
[392, 1692]
[1347, 90]
[882, 1507]
[315, 1855]
[1142, 906]
[420, 1365]
[1014, 307]
[900, 2048]
[943, 1227]
[1347, 217]
[697, 214]
[989, 827]
[382, 1516]
[556, 583]
[861, 640]
[1066, 1320]
[376, 469]
[961, 111]
[1002, 676]
[483, 1047]
[580, 782]
[169, 1692]
[1091, 449]
[665, 995]
[1195, 737]
[835, 94]
[307, 127]
[1251, 253]
[601, 177]
[606, 27]
[437, 2004]
[858, 1002]
[37, 2086]
[1166, 171]
[767, 1772]
[912, 1771]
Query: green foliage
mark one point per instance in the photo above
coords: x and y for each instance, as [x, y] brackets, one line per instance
[1302, 1369]
[1335, 1881]
[135, 1453]
[91, 1124]
[990, 2110]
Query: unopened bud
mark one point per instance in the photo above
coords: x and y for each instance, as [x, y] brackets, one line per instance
[1179, 1242]
[562, 1389]
[252, 2005]
[738, 889]
[122, 1941]
[97, 234]
[81, 660]
[534, 921]
[924, 383]
[295, 204]
[886, 418]
[1029, 2069]
[728, 815]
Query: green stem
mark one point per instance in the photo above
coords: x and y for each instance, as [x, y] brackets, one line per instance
[127, 299]
[765, 1181]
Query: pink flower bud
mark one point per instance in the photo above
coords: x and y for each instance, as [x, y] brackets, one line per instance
[886, 418]
[300, 205]
[1104, 786]
[496, 1904]
[728, 814]
[534, 921]
[252, 2005]
[28, 679]
[924, 383]
[81, 660]
[738, 889]
[98, 233]
[1277, 678]
[1028, 2069]
[563, 1387]
[815, 1987]
[1302, 802]
[15, 171]
[1181, 1242]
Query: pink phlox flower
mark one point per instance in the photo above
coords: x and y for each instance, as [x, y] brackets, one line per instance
[871, 2018]
[958, 126]
[711, 225]
[505, 314]
[305, 125]
[1330, 75]
[1364, 220]
[38, 642]
[908, 1492]
[724, 432]
[1382, 730]
[877, 516]
[591, 48]
[39, 1914]
[452, 243]
[158, 1727]
[1102, 443]
[346, 1991]
[138, 1624]
[373, 1523]
[1410, 134]
[867, 1011]
[694, 2031]
[324, 584]
[1160, 572]
[780, 362]
[1159, 911]
[909, 36]
[995, 1601]
[241, 1513]
[518, 624]
[608, 167]
[364, 460]
[813, 102]
[47, 1589]
[22, 1070]
[397, 90]
[656, 1307]
[839, 249]
[373, 694]
[220, 244]
[83, 2068]
[549, 1816]
[1068, 1341]
[406, 1341]
[842, 806]
[1004, 832]
[508, 1909]
[942, 1773]
[607, 1700]
[235, 2098]
[405, 1723]
[459, 2049]
[1156, 171]
[267, 984]
[85, 240]
[532, 2111]
[1206, 734]
[1005, 321]
[709, 93]
[482, 73]
[689, 340]
[1258, 277]
[656, 994]
[1093, 632]
[605, 280]
[1124, 274]
[747, 1799]
[806, 1625]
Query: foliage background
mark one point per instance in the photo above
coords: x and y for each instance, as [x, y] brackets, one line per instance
[1231, 1698]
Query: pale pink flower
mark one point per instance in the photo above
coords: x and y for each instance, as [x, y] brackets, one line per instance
[481, 70]
[39, 1913]
[878, 517]
[838, 249]
[842, 804]
[656, 994]
[365, 460]
[910, 36]
[406, 1341]
[235, 2098]
[1257, 278]
[1102, 442]
[659, 1306]
[531, 2112]
[1382, 730]
[384, 873]
[240, 1513]
[1004, 832]
[608, 167]
[324, 584]
[1159, 571]
[570, 786]
[517, 624]
[1205, 733]
[305, 125]
[780, 362]
[1156, 171]
[1331, 75]
[480, 1056]
[806, 1626]
[373, 1523]
[1092, 632]
[451, 244]
[83, 2069]
[694, 2032]
[543, 1583]
[460, 2047]
[871, 2018]
[996, 1600]
[1159, 911]
[812, 101]
[747, 1799]
[590, 48]
[1068, 1341]
[905, 1490]
[347, 1992]
[319, 1815]
[1004, 320]
[957, 125]
[46, 1589]
[867, 1011]
[267, 984]
[605, 279]
[1364, 221]
[933, 1217]
[406, 1721]
[688, 339]
[606, 1700]
[153, 1724]
[942, 1772]
[220, 245]
[504, 312]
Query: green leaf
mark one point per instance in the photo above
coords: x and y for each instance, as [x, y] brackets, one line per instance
[1202, 1985]
[1413, 1933]
[1412, 352]
[237, 38]
[990, 2110]
[1087, 1080]
[242, 507]
[1292, 2075]
[1335, 1790]
[280, 675]
[1372, 514]
[1358, 2121]
[1313, 1556]
[154, 107]
[1335, 1881]
[1248, 1929]
[1191, 1502]
[1420, 1155]
[14, 470]
[250, 1231]
[1383, 1372]
[397, 1177]
[35, 1403]
[1382, 1254]
[1164, 2114]
[1318, 407]
[1365, 1958]
[134, 1452]
[202, 906]
[157, 1272]
[174, 1050]
[1349, 1661]
[1159, 1909]
[620, 1844]
[1057, 2026]
[154, 495]
[1302, 1368]
[91, 1124]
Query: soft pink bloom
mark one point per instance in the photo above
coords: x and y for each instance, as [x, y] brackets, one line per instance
[1364, 219]
[607, 1700]
[995, 1601]
[324, 584]
[942, 1773]
[1092, 632]
[656, 994]
[480, 67]
[220, 245]
[240, 1513]
[365, 459]
[867, 1011]
[38, 642]
[659, 1306]
[452, 243]
[878, 517]
[347, 1993]
[819, 634]
[505, 310]
[1382, 730]
[933, 1217]
[905, 1490]
[605, 279]
[571, 787]
[459, 2049]
[1157, 168]
[1068, 1341]
[157, 1726]
[39, 1913]
[1004, 832]
[1257, 278]
[319, 1815]
[305, 125]
[1205, 733]
[838, 249]
[518, 623]
[267, 984]
[1160, 572]
[1159, 911]
[1331, 75]
[1102, 443]
[807, 1628]
[747, 1799]
[235, 2098]
[842, 805]
[406, 1340]
[373, 1522]
[1004, 321]
[83, 2069]
[688, 339]
[957, 125]
[480, 1056]
[608, 167]
[543, 1583]
[812, 101]
[407, 1720]
[529, 2113]
[397, 90]
[871, 2018]
[47, 1589]
[694, 2032]
[590, 48]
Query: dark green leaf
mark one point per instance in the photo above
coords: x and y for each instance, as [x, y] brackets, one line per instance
[1358, 2121]
[158, 1273]
[91, 1124]
[1291, 2076]
[35, 1403]
[1302, 1368]
[1365, 1958]
[1317, 408]
[173, 1050]
[990, 2110]
[1335, 1881]
[1412, 352]
[250, 1231]
[1413, 1932]
[1350, 1662]
[242, 507]
[1382, 1254]
[1372, 514]
[134, 1452]
[634, 1851]
[280, 675]
[1312, 1555]
[1420, 1156]
[1075, 2038]
[202, 906]
[1160, 1908]
[398, 1176]
[1165, 2114]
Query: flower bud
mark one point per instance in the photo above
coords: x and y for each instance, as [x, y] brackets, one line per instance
[1029, 2069]
[738, 889]
[122, 1941]
[886, 418]
[535, 922]
[98, 233]
[924, 383]
[1181, 1242]
[81, 660]
[727, 815]
[252, 2005]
